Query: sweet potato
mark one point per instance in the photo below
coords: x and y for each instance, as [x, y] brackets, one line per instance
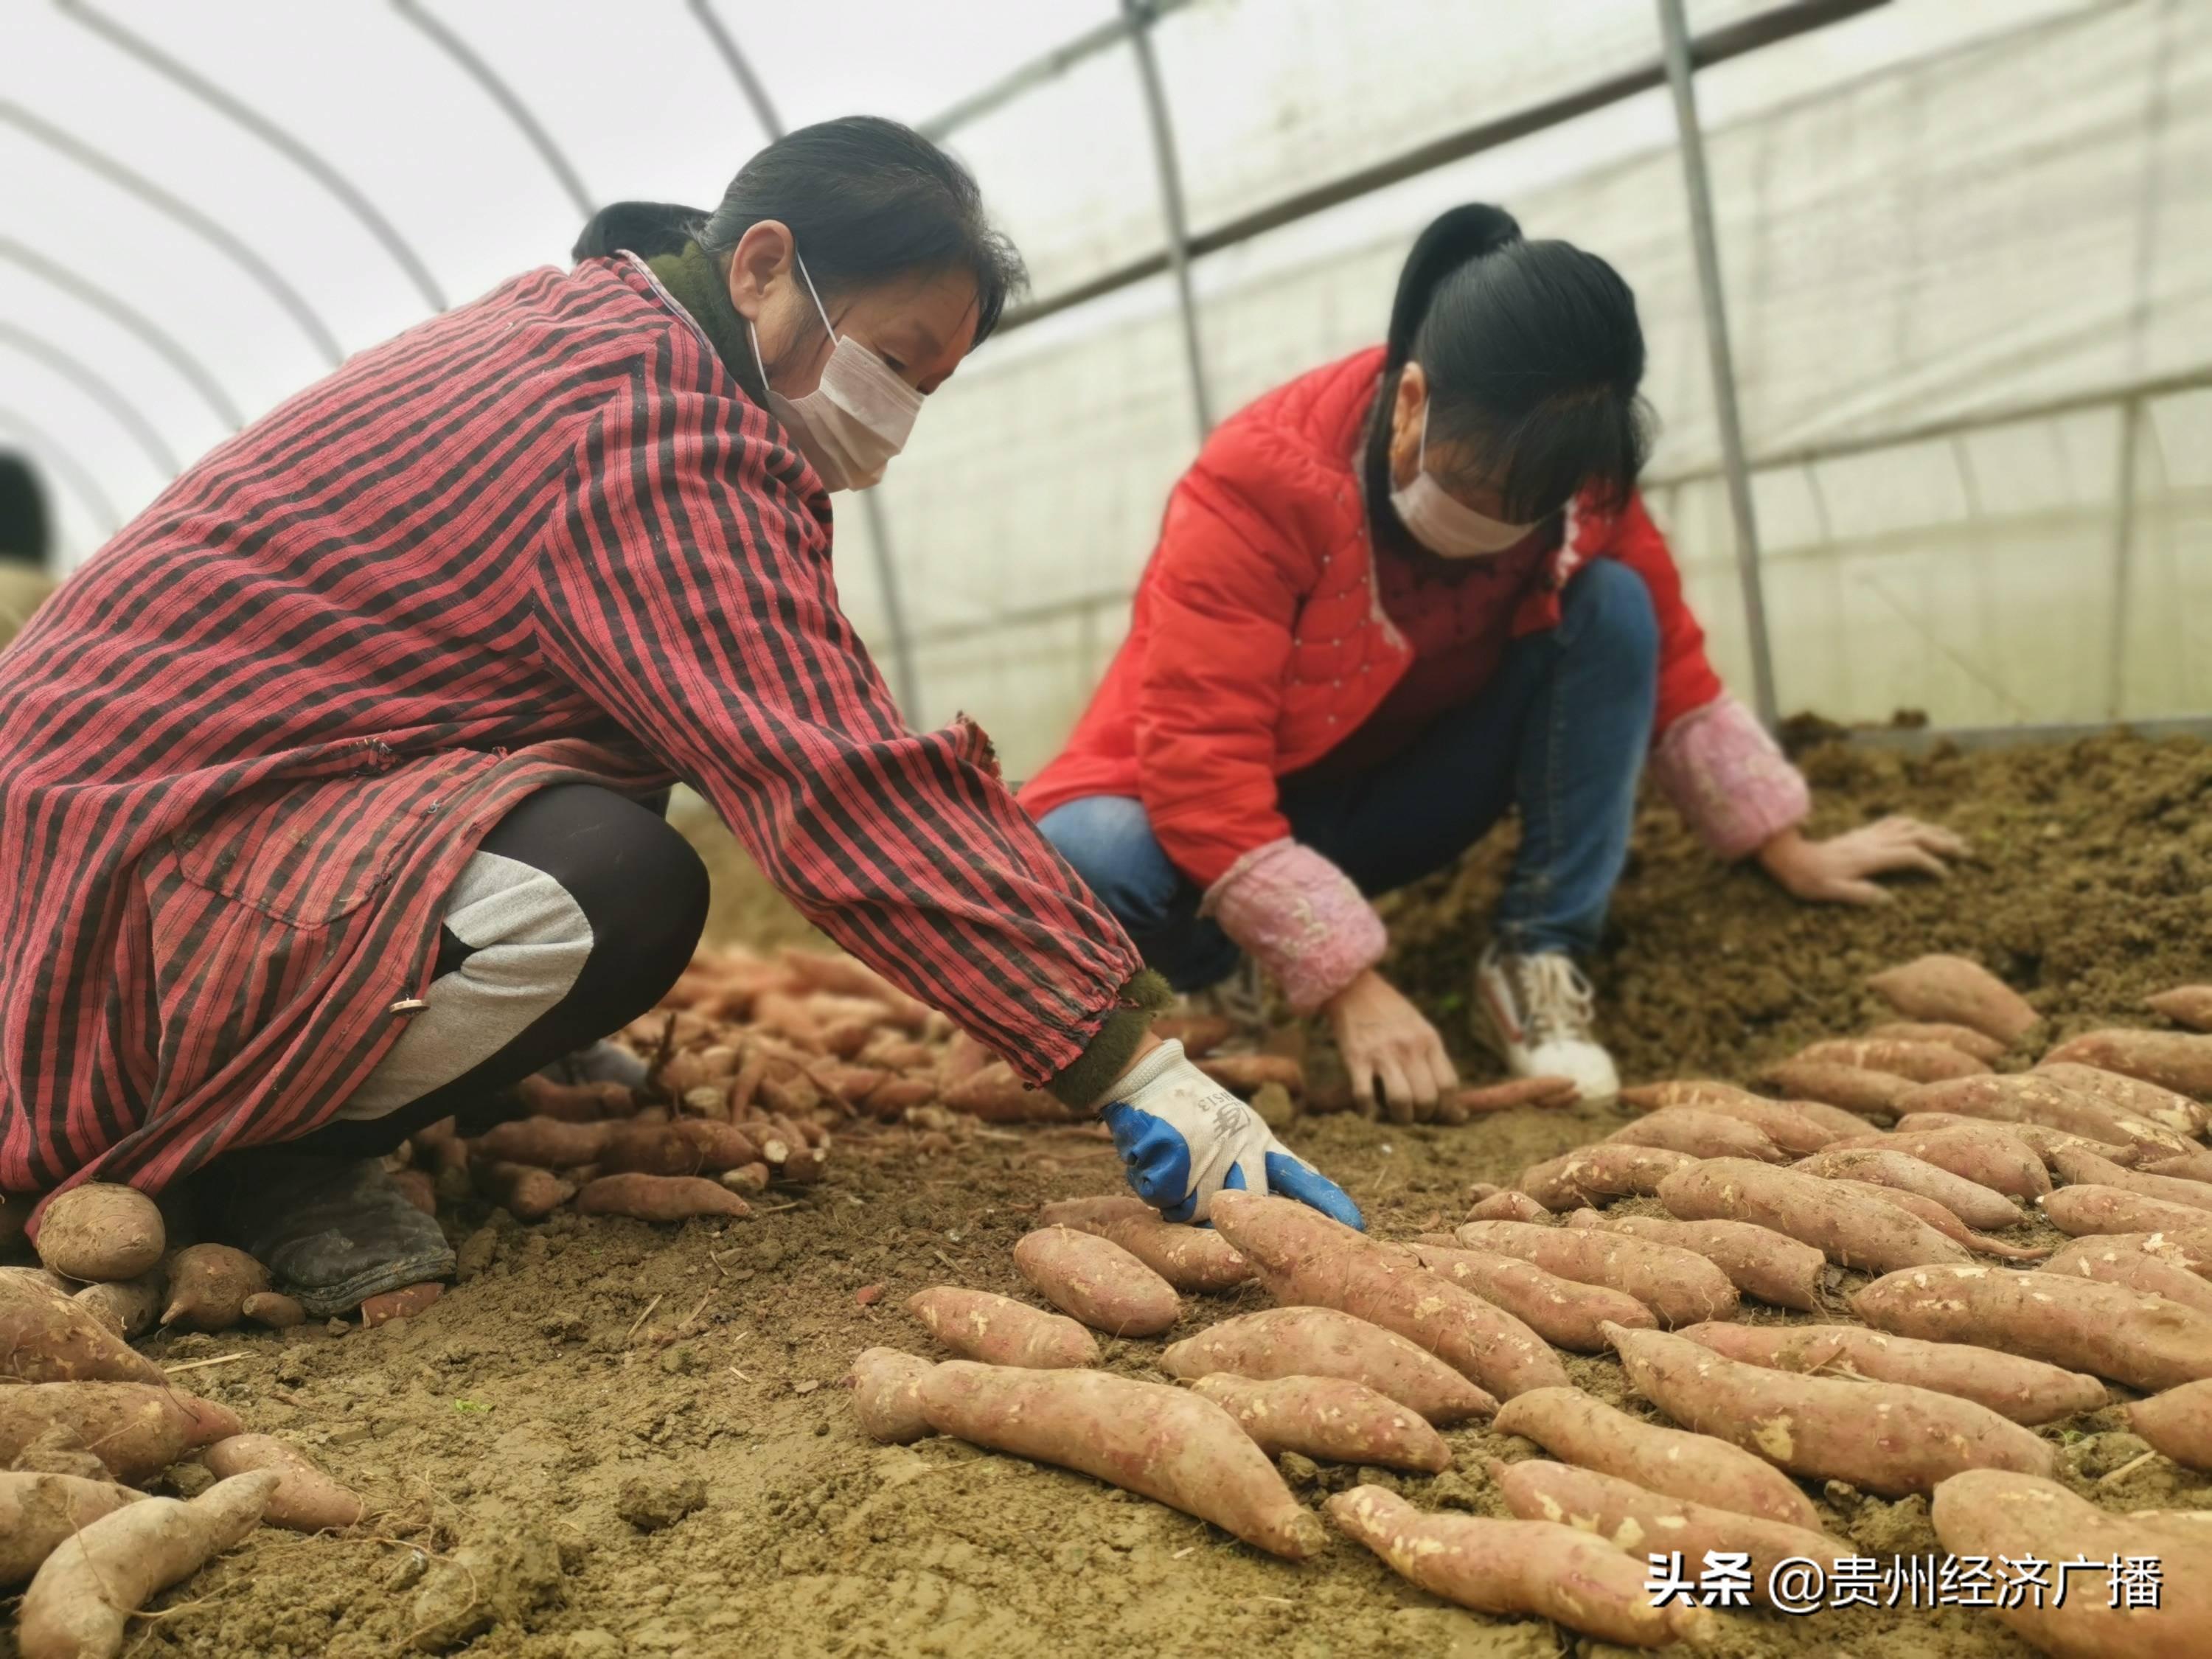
[1277, 1342]
[1001, 1331]
[84, 1594]
[405, 1303]
[2099, 1257]
[1854, 1088]
[689, 1146]
[1534, 1567]
[848, 977]
[2192, 1255]
[1302, 1257]
[577, 1103]
[2079, 1210]
[1980, 1045]
[1988, 1154]
[135, 1429]
[524, 1191]
[996, 1096]
[1510, 1207]
[2107, 1330]
[1188, 1258]
[2026, 1390]
[1798, 1127]
[128, 1306]
[883, 1380]
[1562, 1311]
[1682, 1091]
[2038, 1097]
[2178, 1422]
[1679, 1286]
[1192, 1259]
[1973, 1204]
[2129, 1095]
[1958, 992]
[1095, 1214]
[1199, 1034]
[100, 1230]
[659, 1198]
[39, 1511]
[1843, 1226]
[1923, 1062]
[1329, 1419]
[1931, 1213]
[276, 1311]
[2004, 1518]
[1244, 1074]
[1471, 1099]
[2083, 1168]
[1590, 1174]
[1096, 1281]
[550, 1143]
[1643, 1522]
[2179, 1060]
[1887, 1437]
[2184, 1005]
[208, 1285]
[1757, 1260]
[306, 1499]
[1146, 1438]
[893, 1096]
[1580, 1429]
[48, 1337]
[1700, 1134]
[2038, 1138]
[2195, 1165]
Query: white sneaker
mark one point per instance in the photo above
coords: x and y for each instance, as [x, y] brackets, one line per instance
[1538, 1012]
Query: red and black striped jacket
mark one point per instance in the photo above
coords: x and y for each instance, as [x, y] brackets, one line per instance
[544, 537]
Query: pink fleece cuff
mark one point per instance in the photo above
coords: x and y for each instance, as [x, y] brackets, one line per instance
[1729, 778]
[1300, 918]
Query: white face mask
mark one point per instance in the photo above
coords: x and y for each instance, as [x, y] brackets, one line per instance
[856, 419]
[1446, 526]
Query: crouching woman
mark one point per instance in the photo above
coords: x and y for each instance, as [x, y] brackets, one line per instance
[1392, 599]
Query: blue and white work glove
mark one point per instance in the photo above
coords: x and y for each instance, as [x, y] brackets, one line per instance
[1183, 1138]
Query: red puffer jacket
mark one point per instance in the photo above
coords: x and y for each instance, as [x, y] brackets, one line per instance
[1258, 641]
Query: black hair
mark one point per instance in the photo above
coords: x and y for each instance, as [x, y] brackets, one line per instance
[867, 201]
[25, 532]
[1533, 355]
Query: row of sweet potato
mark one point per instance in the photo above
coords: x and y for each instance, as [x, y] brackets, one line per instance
[1377, 1344]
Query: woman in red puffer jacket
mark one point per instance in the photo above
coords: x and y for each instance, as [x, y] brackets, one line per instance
[1391, 599]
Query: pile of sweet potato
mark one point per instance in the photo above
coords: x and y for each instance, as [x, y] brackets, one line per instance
[85, 1421]
[1890, 1201]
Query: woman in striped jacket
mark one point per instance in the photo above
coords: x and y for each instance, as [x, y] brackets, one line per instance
[320, 786]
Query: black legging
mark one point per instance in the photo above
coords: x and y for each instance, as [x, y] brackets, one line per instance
[643, 890]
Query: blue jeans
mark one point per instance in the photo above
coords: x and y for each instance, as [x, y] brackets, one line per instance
[1560, 731]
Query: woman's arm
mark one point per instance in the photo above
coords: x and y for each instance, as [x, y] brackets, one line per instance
[684, 586]
[1221, 600]
[1730, 780]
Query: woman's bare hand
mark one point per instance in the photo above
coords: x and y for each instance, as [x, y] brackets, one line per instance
[1386, 1043]
[1841, 870]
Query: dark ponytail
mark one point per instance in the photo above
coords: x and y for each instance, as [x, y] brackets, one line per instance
[868, 202]
[1533, 355]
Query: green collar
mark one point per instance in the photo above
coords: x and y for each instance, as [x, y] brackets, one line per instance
[702, 290]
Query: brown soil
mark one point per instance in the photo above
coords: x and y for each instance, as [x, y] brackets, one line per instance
[635, 1438]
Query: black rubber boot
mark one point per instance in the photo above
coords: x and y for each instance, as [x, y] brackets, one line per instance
[333, 1232]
